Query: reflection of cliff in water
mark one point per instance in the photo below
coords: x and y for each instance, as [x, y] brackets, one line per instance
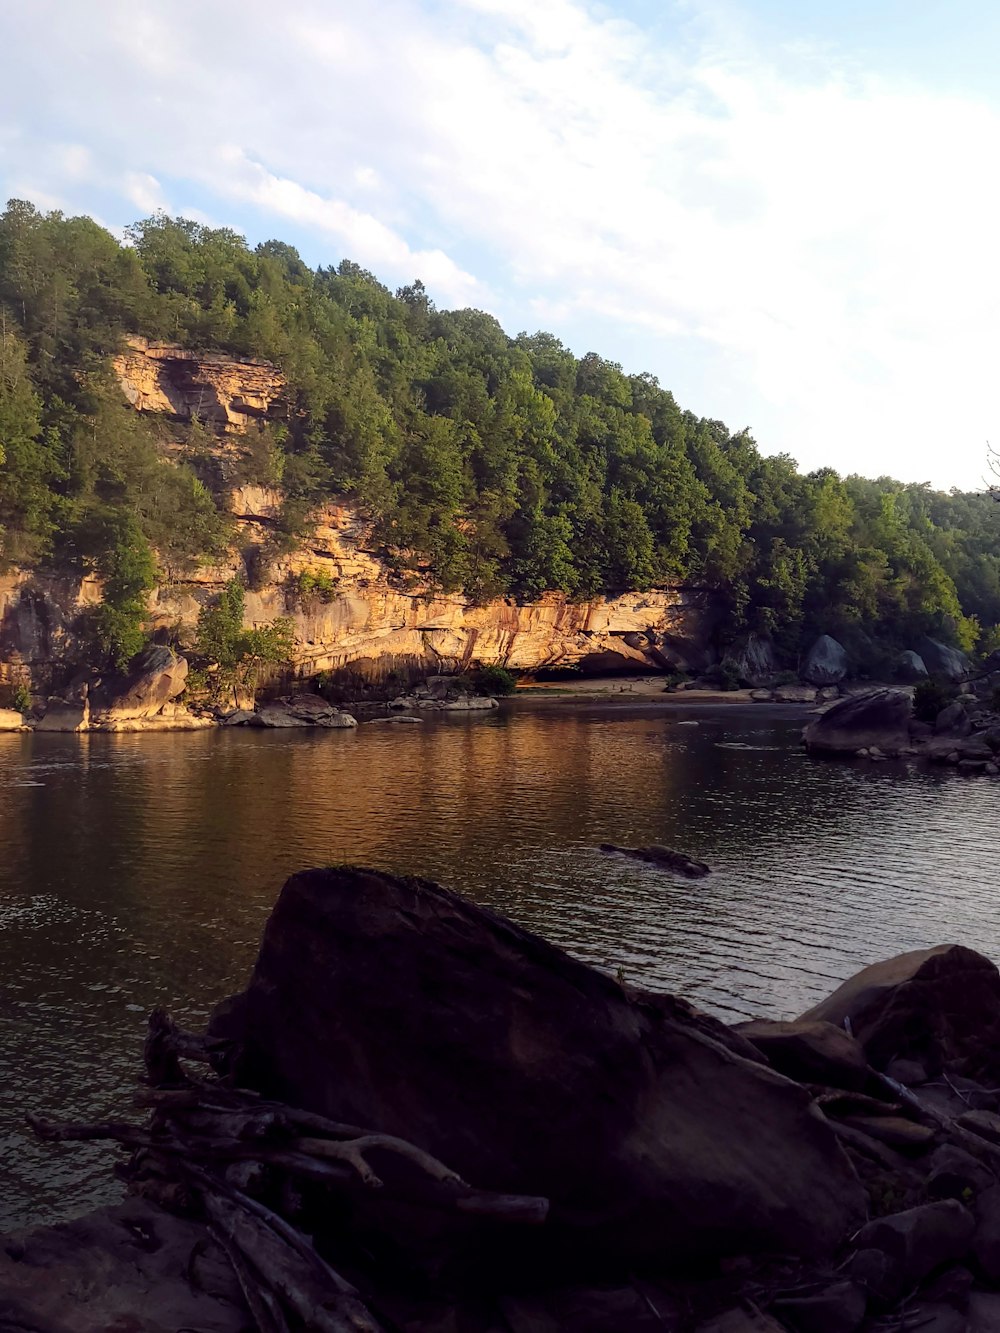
[139, 869]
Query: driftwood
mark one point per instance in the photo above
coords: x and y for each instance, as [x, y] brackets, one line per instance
[217, 1147]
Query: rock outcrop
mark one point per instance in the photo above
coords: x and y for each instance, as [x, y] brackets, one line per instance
[394, 1003]
[140, 700]
[227, 392]
[135, 1267]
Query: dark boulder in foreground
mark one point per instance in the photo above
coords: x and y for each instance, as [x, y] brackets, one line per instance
[396, 1004]
[938, 1008]
[879, 719]
[665, 857]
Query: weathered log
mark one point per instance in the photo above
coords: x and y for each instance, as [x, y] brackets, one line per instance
[288, 1273]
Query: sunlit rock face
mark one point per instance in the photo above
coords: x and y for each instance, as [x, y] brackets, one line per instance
[227, 392]
[366, 621]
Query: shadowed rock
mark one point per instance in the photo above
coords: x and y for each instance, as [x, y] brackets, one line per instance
[880, 718]
[826, 662]
[939, 1007]
[396, 1004]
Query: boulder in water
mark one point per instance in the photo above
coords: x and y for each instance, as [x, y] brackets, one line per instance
[395, 1004]
[826, 662]
[126, 702]
[880, 718]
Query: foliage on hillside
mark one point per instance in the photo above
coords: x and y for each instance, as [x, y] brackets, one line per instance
[493, 464]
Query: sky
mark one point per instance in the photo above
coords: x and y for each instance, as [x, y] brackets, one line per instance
[786, 210]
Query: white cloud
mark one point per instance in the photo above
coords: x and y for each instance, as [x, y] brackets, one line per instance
[819, 239]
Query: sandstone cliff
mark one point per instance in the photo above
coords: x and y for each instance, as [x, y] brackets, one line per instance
[369, 621]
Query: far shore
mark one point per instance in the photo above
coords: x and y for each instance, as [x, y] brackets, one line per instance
[648, 689]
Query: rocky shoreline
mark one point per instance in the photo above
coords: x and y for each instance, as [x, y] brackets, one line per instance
[419, 1118]
[880, 724]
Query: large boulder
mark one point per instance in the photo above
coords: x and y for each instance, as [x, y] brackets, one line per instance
[10, 719]
[939, 1007]
[909, 668]
[942, 660]
[810, 1052]
[118, 702]
[754, 659]
[393, 1003]
[826, 662]
[879, 717]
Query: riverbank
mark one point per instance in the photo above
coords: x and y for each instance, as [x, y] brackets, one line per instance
[652, 688]
[835, 1172]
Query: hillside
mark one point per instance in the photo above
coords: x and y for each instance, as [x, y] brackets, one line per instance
[182, 410]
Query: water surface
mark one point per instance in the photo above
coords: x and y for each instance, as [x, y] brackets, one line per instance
[139, 870]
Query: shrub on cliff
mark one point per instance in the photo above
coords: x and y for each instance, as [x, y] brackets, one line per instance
[240, 652]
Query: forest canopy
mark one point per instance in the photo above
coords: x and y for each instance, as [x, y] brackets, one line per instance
[493, 464]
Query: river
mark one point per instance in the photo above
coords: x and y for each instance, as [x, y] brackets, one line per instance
[138, 870]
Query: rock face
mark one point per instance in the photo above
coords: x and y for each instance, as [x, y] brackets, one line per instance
[226, 391]
[880, 718]
[826, 662]
[393, 1003]
[366, 623]
[938, 1007]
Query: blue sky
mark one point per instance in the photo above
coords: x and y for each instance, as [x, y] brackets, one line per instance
[786, 211]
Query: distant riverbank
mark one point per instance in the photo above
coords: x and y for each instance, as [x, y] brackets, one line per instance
[648, 689]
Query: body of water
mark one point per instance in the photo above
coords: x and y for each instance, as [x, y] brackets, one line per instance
[139, 870]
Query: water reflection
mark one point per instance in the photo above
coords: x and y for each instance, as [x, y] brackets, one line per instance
[138, 870]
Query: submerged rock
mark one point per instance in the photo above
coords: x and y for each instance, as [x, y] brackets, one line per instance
[662, 856]
[394, 1003]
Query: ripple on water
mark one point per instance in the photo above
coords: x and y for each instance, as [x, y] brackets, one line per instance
[139, 870]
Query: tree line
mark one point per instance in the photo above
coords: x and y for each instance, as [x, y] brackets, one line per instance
[495, 465]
